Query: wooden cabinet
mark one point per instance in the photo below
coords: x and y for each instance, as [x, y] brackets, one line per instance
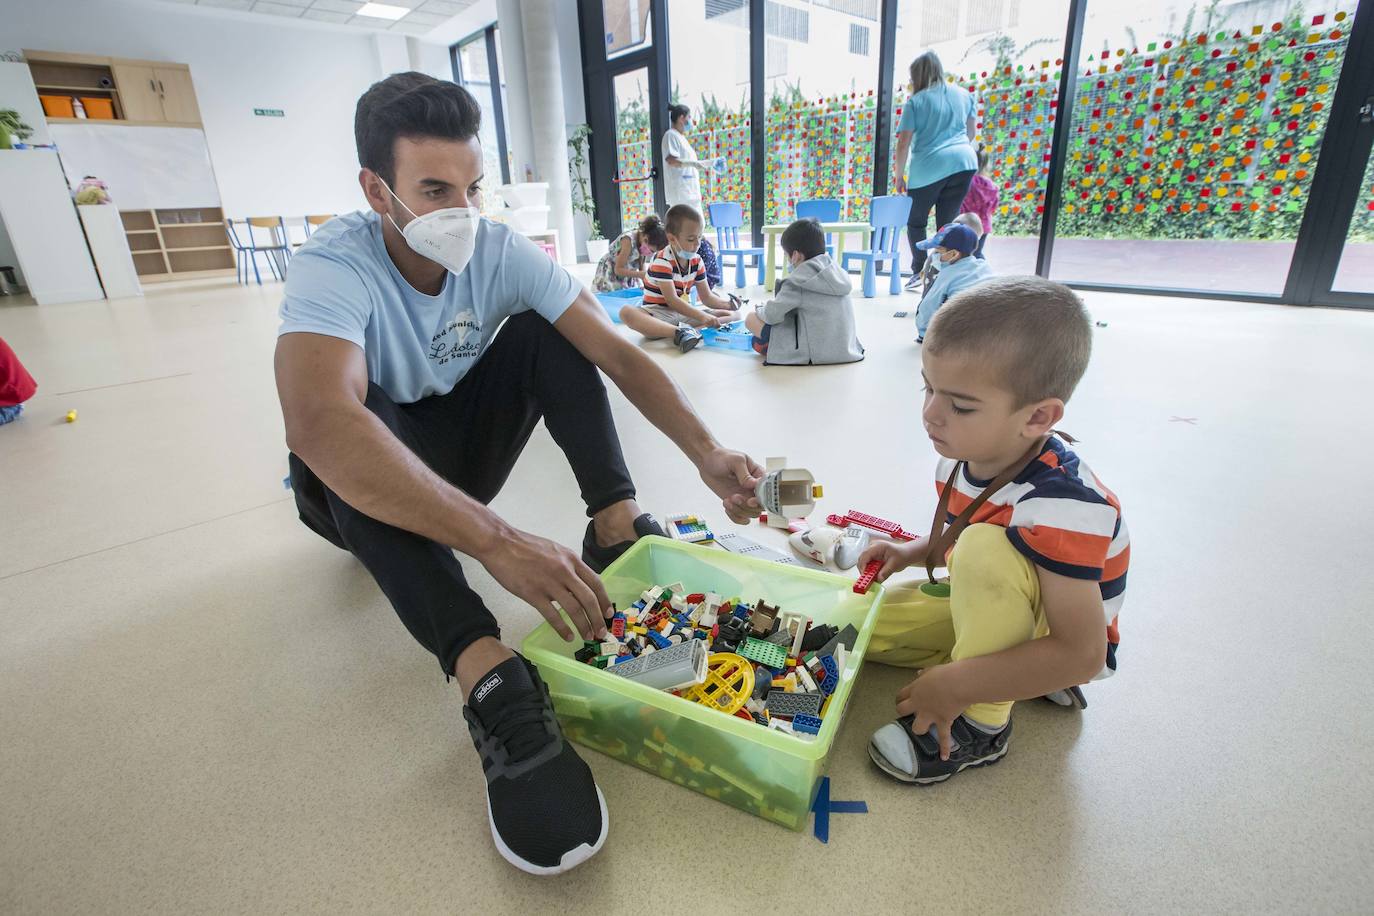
[138, 92]
[178, 95]
[147, 91]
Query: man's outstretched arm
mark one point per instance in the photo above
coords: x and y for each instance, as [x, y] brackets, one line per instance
[731, 475]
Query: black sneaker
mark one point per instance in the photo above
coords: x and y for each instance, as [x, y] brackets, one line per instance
[546, 813]
[916, 758]
[686, 338]
[598, 558]
[914, 281]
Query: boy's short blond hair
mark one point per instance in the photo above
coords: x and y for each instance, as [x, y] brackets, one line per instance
[1036, 331]
[972, 220]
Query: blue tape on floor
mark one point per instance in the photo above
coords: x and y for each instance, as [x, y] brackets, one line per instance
[823, 807]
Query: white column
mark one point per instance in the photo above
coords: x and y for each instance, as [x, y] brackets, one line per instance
[544, 83]
[519, 142]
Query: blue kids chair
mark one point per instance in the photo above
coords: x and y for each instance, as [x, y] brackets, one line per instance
[727, 218]
[887, 216]
[823, 210]
[278, 249]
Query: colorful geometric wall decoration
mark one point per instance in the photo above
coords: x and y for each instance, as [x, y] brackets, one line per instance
[1209, 136]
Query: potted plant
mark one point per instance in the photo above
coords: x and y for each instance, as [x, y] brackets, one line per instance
[12, 123]
[582, 201]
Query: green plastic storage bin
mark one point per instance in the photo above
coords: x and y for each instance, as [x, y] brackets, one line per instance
[762, 771]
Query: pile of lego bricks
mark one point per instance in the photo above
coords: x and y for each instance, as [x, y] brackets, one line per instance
[765, 666]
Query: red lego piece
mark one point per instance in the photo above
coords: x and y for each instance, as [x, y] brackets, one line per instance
[866, 577]
[696, 598]
[618, 628]
[892, 529]
[744, 714]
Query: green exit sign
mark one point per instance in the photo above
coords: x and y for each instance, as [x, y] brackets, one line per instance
[269, 112]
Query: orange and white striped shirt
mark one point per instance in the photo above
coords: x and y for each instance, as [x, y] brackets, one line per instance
[1061, 517]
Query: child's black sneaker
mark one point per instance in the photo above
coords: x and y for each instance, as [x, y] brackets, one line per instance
[546, 813]
[916, 758]
[686, 338]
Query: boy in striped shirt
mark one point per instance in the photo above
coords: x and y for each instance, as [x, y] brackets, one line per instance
[1035, 547]
[666, 311]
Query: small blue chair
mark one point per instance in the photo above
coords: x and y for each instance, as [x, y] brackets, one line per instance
[728, 218]
[823, 210]
[278, 251]
[887, 216]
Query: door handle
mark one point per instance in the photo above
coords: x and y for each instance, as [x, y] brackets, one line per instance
[160, 89]
[1367, 111]
[152, 85]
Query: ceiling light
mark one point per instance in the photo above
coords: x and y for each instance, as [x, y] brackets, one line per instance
[382, 11]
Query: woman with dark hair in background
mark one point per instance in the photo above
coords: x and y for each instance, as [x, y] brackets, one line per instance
[937, 129]
[624, 264]
[682, 180]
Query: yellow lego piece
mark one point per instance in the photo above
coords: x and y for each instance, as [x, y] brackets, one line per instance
[728, 685]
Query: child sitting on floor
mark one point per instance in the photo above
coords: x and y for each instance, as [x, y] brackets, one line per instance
[672, 272]
[810, 319]
[952, 256]
[16, 385]
[931, 270]
[1036, 549]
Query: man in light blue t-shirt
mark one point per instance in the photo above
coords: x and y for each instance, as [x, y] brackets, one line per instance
[419, 346]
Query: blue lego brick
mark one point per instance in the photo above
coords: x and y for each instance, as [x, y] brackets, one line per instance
[659, 640]
[832, 675]
[804, 723]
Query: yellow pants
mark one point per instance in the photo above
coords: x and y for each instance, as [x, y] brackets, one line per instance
[993, 604]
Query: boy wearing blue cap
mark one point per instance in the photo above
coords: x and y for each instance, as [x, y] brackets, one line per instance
[951, 254]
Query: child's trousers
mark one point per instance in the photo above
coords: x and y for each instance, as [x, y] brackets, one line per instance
[994, 604]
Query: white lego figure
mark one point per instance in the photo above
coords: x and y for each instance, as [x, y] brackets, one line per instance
[787, 493]
[841, 546]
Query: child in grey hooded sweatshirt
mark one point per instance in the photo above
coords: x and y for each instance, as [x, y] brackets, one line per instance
[810, 319]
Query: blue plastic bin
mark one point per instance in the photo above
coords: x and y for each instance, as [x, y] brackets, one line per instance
[615, 301]
[734, 336]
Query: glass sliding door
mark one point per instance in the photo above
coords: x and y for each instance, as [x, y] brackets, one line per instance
[708, 44]
[634, 145]
[1008, 54]
[1194, 141]
[820, 86]
[476, 67]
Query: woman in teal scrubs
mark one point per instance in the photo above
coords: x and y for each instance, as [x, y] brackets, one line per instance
[937, 131]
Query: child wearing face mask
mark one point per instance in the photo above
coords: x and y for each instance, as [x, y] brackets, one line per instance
[625, 264]
[672, 273]
[810, 319]
[951, 255]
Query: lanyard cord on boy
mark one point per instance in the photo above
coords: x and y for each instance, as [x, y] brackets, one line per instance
[942, 538]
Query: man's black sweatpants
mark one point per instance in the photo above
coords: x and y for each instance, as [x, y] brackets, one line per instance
[472, 437]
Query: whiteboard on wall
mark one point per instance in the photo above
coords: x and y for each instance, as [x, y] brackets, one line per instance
[145, 168]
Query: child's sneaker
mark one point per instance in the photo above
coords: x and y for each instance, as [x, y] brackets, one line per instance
[916, 758]
[1069, 698]
[686, 338]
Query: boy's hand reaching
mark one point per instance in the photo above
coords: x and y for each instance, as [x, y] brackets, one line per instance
[931, 699]
[893, 556]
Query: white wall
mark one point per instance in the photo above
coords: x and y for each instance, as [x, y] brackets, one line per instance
[303, 163]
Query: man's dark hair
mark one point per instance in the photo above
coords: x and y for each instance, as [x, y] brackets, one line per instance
[677, 111]
[806, 236]
[410, 105]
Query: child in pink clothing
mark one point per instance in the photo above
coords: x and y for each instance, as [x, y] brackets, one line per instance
[981, 199]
